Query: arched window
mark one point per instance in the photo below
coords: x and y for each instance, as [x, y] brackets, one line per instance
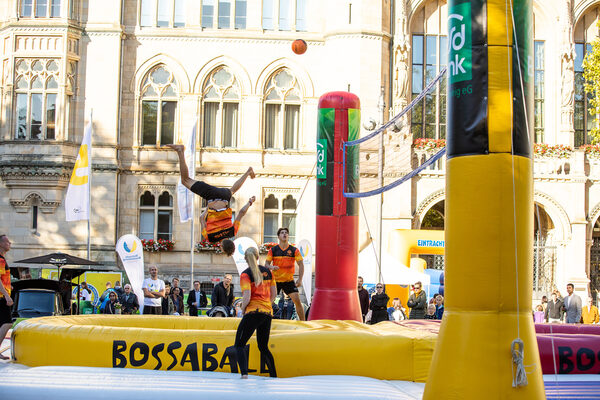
[159, 107]
[429, 56]
[36, 88]
[282, 111]
[221, 102]
[586, 30]
[279, 211]
[156, 215]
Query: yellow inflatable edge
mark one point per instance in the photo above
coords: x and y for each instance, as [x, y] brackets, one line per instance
[383, 351]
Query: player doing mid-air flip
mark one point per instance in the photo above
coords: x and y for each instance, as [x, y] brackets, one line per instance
[216, 220]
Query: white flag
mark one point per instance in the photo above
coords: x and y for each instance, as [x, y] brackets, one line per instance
[185, 197]
[306, 251]
[77, 200]
[130, 250]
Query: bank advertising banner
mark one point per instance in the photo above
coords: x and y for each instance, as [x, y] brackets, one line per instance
[467, 78]
[131, 252]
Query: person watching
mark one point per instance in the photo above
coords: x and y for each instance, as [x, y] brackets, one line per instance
[222, 294]
[196, 299]
[129, 301]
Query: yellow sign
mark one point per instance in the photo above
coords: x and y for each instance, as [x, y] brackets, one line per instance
[96, 281]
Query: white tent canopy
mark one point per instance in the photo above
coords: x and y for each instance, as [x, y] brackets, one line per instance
[392, 270]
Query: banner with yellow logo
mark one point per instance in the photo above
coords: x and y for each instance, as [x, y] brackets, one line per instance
[77, 200]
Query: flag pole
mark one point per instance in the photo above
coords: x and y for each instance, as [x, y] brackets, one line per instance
[90, 187]
[193, 151]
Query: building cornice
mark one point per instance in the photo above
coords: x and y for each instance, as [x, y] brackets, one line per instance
[199, 174]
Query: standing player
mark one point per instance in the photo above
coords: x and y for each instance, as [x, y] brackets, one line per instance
[217, 225]
[283, 256]
[258, 293]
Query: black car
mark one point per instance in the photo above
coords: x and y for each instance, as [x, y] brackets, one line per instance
[37, 298]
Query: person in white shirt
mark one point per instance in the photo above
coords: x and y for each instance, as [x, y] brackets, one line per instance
[154, 291]
[84, 292]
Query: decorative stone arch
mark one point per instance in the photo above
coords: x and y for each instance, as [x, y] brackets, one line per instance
[173, 65]
[303, 78]
[157, 190]
[541, 12]
[581, 8]
[426, 205]
[413, 7]
[557, 214]
[594, 215]
[34, 199]
[241, 74]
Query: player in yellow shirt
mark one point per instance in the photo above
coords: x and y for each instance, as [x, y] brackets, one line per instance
[217, 224]
[284, 256]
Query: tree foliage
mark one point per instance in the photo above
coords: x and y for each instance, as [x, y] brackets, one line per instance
[591, 76]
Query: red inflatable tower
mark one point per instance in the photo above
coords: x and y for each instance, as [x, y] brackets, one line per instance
[336, 295]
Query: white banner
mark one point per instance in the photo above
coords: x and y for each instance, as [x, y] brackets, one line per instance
[77, 199]
[241, 245]
[306, 252]
[130, 250]
[185, 197]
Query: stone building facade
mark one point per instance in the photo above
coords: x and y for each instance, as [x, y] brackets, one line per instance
[146, 71]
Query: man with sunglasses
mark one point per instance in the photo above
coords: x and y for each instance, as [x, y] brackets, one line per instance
[417, 302]
[378, 305]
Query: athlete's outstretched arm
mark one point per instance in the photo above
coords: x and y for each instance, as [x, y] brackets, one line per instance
[183, 168]
[244, 209]
[203, 220]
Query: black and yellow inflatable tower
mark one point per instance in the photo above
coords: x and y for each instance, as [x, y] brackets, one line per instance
[489, 207]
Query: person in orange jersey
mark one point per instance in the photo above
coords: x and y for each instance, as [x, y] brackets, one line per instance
[258, 294]
[284, 256]
[217, 225]
[6, 301]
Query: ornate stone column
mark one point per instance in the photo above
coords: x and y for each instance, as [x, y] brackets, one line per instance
[400, 60]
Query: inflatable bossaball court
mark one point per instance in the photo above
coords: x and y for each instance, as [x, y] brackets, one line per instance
[486, 345]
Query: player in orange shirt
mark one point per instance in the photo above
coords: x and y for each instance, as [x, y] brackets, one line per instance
[284, 256]
[5, 300]
[258, 293]
[217, 225]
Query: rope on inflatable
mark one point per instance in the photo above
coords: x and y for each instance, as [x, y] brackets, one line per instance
[519, 374]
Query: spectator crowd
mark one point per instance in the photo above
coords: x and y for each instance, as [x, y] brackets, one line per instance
[568, 309]
[375, 308]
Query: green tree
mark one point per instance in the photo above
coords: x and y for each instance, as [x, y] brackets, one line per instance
[591, 76]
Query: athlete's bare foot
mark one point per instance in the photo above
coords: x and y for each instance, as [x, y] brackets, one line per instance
[252, 200]
[4, 357]
[244, 376]
[251, 173]
[177, 147]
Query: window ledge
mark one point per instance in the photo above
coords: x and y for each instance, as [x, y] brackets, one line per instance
[288, 152]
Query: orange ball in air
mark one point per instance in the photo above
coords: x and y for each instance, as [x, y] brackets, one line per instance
[299, 46]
